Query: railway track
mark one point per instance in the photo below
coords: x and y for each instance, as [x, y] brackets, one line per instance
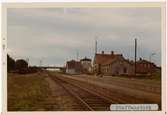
[86, 100]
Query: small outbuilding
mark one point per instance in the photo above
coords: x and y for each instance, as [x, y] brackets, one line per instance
[145, 67]
[73, 67]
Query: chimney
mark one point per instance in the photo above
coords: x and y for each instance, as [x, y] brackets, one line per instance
[102, 52]
[112, 52]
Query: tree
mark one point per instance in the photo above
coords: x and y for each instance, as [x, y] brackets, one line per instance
[10, 63]
[21, 64]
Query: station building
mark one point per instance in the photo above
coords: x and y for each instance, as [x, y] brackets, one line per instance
[112, 64]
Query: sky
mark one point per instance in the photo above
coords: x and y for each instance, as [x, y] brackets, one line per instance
[55, 35]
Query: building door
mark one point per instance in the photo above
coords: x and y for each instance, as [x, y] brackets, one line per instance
[99, 70]
[124, 70]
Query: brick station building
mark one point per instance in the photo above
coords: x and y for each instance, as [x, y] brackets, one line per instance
[112, 64]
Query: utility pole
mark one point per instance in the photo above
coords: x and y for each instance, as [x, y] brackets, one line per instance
[77, 55]
[95, 44]
[135, 54]
[40, 63]
[27, 59]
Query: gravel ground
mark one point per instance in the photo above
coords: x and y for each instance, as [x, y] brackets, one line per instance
[144, 85]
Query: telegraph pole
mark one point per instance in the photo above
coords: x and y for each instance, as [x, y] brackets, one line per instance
[27, 59]
[95, 44]
[77, 55]
[135, 54]
[40, 63]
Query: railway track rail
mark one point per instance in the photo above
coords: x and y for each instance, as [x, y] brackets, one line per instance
[87, 100]
[105, 95]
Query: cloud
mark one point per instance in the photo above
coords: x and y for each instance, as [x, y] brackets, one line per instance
[56, 33]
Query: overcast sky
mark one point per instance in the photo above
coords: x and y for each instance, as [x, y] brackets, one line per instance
[55, 35]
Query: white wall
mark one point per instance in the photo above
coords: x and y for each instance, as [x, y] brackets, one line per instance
[70, 71]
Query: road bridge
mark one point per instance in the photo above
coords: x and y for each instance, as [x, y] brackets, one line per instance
[52, 67]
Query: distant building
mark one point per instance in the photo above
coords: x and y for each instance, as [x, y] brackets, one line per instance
[112, 64]
[86, 65]
[145, 67]
[73, 67]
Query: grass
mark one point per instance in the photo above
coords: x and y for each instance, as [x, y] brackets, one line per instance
[26, 92]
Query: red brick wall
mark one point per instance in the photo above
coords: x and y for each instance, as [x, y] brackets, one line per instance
[145, 68]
